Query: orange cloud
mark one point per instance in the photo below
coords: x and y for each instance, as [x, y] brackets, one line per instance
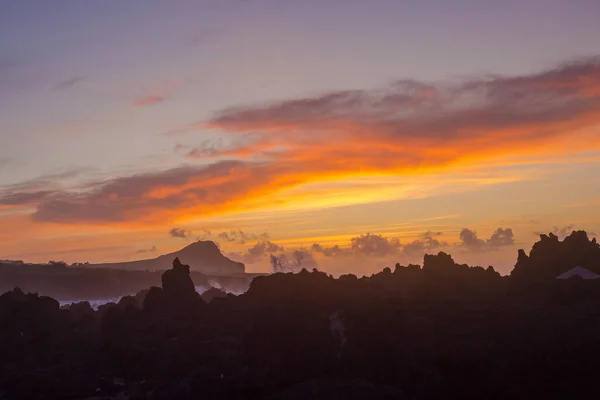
[414, 126]
[409, 128]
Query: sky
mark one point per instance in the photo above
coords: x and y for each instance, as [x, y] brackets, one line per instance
[349, 134]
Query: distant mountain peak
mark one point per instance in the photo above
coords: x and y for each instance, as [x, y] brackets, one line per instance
[202, 256]
[201, 245]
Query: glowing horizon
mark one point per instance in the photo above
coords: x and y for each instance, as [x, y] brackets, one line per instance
[131, 130]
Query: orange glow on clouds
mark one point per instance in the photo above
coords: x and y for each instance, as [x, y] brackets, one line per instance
[409, 140]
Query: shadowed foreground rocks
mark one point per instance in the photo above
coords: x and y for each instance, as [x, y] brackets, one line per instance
[442, 330]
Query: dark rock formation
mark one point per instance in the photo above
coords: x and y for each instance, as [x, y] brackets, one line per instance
[213, 293]
[153, 299]
[136, 301]
[324, 389]
[176, 281]
[441, 331]
[81, 310]
[178, 292]
[550, 257]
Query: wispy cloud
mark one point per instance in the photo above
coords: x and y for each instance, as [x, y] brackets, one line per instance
[24, 198]
[203, 36]
[51, 180]
[149, 100]
[159, 91]
[179, 233]
[183, 129]
[33, 191]
[258, 252]
[241, 237]
[69, 83]
[277, 257]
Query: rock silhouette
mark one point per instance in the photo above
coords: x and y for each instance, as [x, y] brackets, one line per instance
[445, 330]
[203, 255]
[178, 292]
[213, 293]
[550, 257]
[177, 283]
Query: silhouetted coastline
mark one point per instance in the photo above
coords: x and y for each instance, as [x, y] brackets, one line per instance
[442, 330]
[114, 280]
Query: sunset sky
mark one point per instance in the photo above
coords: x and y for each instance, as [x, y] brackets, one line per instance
[362, 133]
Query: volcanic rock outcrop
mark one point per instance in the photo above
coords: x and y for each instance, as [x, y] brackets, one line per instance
[177, 290]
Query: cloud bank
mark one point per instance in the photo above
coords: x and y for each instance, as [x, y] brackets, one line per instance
[406, 128]
[500, 238]
[376, 248]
